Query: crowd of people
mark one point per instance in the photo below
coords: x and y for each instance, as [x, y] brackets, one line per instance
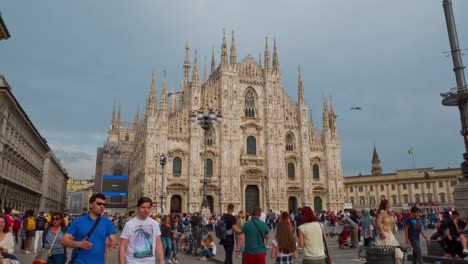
[145, 237]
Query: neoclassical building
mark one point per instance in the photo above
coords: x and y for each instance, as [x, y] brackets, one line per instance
[266, 152]
[425, 187]
[31, 177]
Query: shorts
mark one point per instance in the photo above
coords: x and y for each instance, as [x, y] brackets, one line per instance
[30, 234]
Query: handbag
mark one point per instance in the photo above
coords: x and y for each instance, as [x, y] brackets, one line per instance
[327, 255]
[44, 254]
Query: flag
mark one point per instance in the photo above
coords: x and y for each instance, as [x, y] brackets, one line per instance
[410, 151]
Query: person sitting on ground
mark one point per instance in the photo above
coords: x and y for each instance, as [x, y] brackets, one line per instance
[208, 248]
[454, 228]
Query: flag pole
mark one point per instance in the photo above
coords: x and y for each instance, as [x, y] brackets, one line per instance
[412, 155]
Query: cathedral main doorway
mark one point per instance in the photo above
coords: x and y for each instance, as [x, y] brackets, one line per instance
[252, 196]
[210, 202]
[317, 204]
[176, 203]
[292, 204]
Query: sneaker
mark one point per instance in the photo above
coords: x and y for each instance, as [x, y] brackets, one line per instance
[169, 261]
[27, 252]
[465, 251]
[203, 258]
[175, 261]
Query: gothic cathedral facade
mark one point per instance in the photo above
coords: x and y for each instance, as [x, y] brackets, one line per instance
[266, 152]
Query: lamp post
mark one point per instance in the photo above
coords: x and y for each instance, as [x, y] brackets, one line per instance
[426, 174]
[458, 96]
[206, 118]
[162, 158]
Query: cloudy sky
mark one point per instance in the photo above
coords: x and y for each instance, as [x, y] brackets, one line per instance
[69, 61]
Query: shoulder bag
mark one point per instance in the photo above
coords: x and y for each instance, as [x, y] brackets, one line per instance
[87, 235]
[44, 254]
[261, 234]
[327, 256]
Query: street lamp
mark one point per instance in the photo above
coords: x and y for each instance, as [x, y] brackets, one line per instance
[206, 118]
[162, 158]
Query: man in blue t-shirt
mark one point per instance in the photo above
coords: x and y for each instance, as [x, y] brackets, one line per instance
[92, 249]
[412, 231]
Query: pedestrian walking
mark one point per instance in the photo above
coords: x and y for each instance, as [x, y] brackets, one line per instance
[385, 224]
[29, 226]
[176, 229]
[51, 238]
[311, 237]
[140, 237]
[231, 228]
[255, 235]
[87, 234]
[166, 237]
[284, 249]
[41, 223]
[412, 231]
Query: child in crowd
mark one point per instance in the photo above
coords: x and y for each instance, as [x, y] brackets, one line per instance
[208, 248]
[412, 232]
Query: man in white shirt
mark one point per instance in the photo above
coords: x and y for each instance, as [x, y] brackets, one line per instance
[139, 236]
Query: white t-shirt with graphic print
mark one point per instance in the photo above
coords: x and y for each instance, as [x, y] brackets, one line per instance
[141, 235]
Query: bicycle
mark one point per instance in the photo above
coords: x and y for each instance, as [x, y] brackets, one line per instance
[188, 242]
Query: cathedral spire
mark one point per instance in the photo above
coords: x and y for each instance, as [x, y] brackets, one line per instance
[113, 117]
[300, 88]
[332, 116]
[186, 63]
[325, 123]
[275, 58]
[163, 106]
[224, 56]
[267, 56]
[213, 64]
[205, 74]
[151, 103]
[233, 50]
[118, 116]
[260, 59]
[196, 72]
[376, 164]
[136, 122]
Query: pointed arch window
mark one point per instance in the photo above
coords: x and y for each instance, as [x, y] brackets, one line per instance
[118, 171]
[291, 171]
[290, 145]
[127, 137]
[177, 166]
[209, 168]
[316, 172]
[249, 104]
[251, 145]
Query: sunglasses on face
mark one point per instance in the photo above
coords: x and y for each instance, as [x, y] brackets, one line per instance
[100, 204]
[56, 218]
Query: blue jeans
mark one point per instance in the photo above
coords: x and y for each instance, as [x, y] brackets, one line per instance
[206, 253]
[167, 243]
[57, 259]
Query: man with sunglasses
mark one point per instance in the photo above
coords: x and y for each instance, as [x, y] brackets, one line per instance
[92, 249]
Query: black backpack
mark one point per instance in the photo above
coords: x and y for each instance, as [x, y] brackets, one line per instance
[221, 229]
[41, 223]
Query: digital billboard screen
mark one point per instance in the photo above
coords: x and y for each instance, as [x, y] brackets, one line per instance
[113, 185]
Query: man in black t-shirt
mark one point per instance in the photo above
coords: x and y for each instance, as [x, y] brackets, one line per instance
[454, 228]
[231, 228]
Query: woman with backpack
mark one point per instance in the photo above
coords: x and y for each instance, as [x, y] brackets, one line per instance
[29, 226]
[51, 238]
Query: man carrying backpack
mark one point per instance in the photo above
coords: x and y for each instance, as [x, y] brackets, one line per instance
[225, 230]
[41, 223]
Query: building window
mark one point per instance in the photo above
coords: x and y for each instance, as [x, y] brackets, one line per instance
[429, 197]
[116, 199]
[350, 189]
[416, 186]
[127, 137]
[177, 166]
[316, 171]
[362, 200]
[404, 186]
[453, 183]
[117, 171]
[405, 198]
[393, 187]
[291, 171]
[394, 199]
[360, 189]
[251, 145]
[441, 184]
[289, 142]
[351, 200]
[371, 188]
[209, 167]
[417, 198]
[250, 104]
[442, 198]
[382, 188]
[372, 200]
[382, 197]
